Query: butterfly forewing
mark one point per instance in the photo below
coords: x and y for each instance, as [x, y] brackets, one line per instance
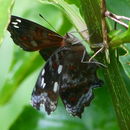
[31, 36]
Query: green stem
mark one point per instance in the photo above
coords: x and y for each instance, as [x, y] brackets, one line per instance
[114, 74]
[118, 90]
[92, 16]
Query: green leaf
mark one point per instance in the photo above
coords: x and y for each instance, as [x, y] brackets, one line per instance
[38, 121]
[122, 51]
[76, 2]
[120, 38]
[6, 52]
[125, 60]
[119, 7]
[10, 111]
[4, 16]
[21, 74]
[72, 13]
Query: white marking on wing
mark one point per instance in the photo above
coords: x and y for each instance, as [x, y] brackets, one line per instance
[18, 20]
[43, 71]
[55, 88]
[42, 83]
[60, 69]
[14, 23]
[16, 26]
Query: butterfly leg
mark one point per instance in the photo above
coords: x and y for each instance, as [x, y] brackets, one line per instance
[90, 61]
[97, 52]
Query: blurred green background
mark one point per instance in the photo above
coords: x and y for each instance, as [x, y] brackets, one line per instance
[19, 71]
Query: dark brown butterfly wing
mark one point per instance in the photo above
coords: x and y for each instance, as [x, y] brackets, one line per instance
[78, 80]
[46, 91]
[70, 78]
[32, 37]
[64, 74]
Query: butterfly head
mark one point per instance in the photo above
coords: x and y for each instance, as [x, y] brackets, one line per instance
[71, 39]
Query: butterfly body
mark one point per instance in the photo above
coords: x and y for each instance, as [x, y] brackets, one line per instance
[65, 74]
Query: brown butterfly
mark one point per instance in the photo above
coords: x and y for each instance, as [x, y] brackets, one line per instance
[65, 74]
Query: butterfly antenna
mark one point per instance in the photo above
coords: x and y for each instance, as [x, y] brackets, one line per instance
[48, 23]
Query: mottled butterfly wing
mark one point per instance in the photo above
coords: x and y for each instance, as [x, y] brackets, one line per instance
[77, 80]
[47, 52]
[66, 75]
[32, 37]
[46, 91]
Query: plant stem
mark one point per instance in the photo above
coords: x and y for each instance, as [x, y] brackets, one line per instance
[92, 16]
[118, 90]
[114, 74]
[117, 18]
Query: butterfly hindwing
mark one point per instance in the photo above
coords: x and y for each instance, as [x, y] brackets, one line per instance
[75, 81]
[46, 91]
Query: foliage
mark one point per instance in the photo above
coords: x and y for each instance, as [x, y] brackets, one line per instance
[6, 5]
[19, 73]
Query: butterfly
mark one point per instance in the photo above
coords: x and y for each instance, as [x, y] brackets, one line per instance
[66, 73]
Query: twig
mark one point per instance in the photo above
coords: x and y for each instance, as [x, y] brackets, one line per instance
[104, 30]
[117, 18]
[104, 33]
[104, 27]
[96, 53]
